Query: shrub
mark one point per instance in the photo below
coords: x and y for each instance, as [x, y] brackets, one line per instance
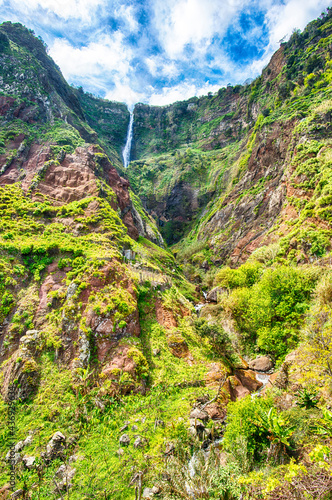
[241, 421]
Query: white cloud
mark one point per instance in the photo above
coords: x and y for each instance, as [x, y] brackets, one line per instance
[183, 22]
[107, 54]
[180, 92]
[283, 19]
[107, 61]
[65, 9]
[160, 66]
[127, 14]
[124, 93]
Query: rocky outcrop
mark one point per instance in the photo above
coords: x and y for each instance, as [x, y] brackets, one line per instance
[21, 372]
[215, 294]
[261, 364]
[75, 177]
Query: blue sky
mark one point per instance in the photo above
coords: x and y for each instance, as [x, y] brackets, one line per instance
[160, 51]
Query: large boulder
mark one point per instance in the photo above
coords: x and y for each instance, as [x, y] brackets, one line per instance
[199, 414]
[214, 294]
[248, 380]
[242, 383]
[124, 440]
[261, 364]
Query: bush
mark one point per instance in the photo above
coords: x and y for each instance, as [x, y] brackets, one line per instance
[245, 276]
[271, 310]
[241, 421]
[217, 336]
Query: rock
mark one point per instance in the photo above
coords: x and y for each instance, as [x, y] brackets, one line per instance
[134, 428]
[138, 443]
[4, 490]
[215, 293]
[124, 440]
[196, 423]
[159, 423]
[199, 414]
[99, 404]
[55, 447]
[148, 493]
[71, 290]
[235, 389]
[73, 459]
[124, 427]
[28, 440]
[214, 411]
[280, 378]
[120, 452]
[261, 364]
[193, 431]
[30, 340]
[65, 473]
[19, 446]
[248, 380]
[178, 347]
[240, 363]
[71, 440]
[156, 352]
[28, 461]
[155, 490]
[17, 494]
[16, 458]
[169, 448]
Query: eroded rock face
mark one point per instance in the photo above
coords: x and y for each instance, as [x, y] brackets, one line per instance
[21, 373]
[73, 178]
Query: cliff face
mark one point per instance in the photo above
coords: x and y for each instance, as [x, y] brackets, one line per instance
[67, 219]
[221, 165]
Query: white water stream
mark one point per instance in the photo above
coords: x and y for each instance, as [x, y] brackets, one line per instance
[194, 462]
[127, 148]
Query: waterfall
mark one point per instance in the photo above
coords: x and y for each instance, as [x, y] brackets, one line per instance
[127, 148]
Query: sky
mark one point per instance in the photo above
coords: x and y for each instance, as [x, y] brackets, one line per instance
[160, 51]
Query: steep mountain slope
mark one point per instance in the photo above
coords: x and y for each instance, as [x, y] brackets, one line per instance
[234, 149]
[90, 308]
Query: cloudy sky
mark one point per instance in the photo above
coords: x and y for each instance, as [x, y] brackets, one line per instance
[160, 51]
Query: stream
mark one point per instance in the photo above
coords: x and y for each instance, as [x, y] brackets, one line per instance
[194, 462]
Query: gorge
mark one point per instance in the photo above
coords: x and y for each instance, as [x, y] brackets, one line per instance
[115, 223]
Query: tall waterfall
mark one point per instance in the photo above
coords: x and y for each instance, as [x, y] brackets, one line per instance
[127, 148]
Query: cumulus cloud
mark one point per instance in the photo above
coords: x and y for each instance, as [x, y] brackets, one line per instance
[123, 92]
[283, 19]
[184, 22]
[180, 92]
[127, 14]
[161, 50]
[65, 9]
[108, 54]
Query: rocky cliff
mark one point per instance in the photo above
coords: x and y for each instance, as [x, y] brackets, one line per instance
[222, 164]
